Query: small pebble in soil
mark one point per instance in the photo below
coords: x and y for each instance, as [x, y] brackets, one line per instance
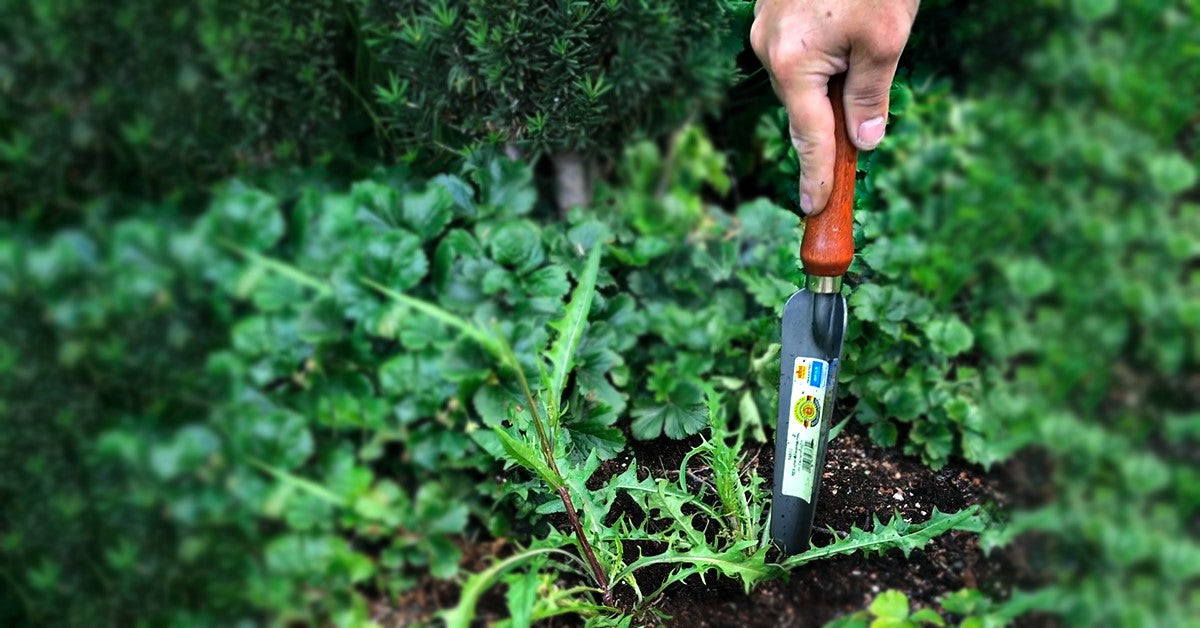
[899, 496]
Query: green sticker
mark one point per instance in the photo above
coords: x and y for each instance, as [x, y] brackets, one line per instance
[810, 380]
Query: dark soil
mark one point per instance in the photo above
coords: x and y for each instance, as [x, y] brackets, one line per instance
[860, 481]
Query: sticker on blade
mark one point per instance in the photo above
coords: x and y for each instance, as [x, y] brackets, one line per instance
[809, 382]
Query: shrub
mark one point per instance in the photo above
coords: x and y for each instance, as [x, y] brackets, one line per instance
[96, 98]
[155, 98]
[546, 77]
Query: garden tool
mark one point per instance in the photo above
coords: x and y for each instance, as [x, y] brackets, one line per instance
[814, 323]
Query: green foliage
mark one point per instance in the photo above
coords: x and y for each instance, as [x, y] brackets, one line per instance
[967, 608]
[709, 286]
[145, 98]
[300, 399]
[545, 77]
[255, 430]
[293, 378]
[153, 99]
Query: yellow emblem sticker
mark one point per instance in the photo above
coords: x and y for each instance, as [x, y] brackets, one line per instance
[807, 411]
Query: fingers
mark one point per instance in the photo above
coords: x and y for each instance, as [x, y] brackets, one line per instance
[802, 44]
[810, 121]
[868, 84]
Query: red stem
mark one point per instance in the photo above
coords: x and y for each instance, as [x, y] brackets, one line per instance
[597, 570]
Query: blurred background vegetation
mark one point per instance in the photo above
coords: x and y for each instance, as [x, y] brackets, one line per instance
[1028, 280]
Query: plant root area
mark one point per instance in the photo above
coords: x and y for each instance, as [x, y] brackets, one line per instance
[860, 481]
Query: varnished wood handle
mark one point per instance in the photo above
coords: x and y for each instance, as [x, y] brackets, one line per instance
[828, 245]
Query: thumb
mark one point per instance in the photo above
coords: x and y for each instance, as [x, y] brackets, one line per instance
[868, 84]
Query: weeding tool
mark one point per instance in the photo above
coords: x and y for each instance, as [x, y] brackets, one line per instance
[814, 323]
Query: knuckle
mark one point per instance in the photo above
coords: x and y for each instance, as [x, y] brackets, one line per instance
[785, 56]
[758, 42]
[889, 43]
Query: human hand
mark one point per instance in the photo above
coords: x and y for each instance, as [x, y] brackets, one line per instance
[802, 43]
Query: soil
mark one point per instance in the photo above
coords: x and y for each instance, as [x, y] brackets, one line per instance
[860, 481]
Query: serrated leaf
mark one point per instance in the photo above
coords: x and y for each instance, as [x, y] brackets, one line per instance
[751, 418]
[517, 245]
[763, 220]
[883, 433]
[548, 282]
[936, 440]
[443, 557]
[734, 562]
[506, 187]
[767, 289]
[650, 422]
[246, 217]
[427, 213]
[495, 404]
[473, 332]
[949, 335]
[867, 302]
[522, 594]
[463, 613]
[393, 258]
[570, 328]
[896, 534]
[528, 457]
[589, 436]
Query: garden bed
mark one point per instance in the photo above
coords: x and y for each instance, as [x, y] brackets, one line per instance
[861, 481]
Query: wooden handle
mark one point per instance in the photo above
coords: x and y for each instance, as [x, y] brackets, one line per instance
[828, 245]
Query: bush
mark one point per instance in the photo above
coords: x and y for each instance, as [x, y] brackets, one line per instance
[546, 77]
[149, 98]
[154, 98]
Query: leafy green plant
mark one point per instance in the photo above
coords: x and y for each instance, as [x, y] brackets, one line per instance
[967, 608]
[546, 78]
[154, 99]
[889, 609]
[721, 528]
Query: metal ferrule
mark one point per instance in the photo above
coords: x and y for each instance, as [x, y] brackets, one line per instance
[823, 285]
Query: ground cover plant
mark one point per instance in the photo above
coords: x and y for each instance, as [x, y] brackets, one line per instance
[387, 379]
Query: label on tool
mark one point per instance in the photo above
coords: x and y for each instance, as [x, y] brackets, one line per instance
[810, 380]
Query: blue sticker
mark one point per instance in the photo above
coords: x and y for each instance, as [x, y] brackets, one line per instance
[816, 374]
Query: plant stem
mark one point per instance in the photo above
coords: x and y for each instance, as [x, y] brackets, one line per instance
[563, 492]
[543, 438]
[597, 570]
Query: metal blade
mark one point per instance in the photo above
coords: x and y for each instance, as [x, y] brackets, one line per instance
[814, 326]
